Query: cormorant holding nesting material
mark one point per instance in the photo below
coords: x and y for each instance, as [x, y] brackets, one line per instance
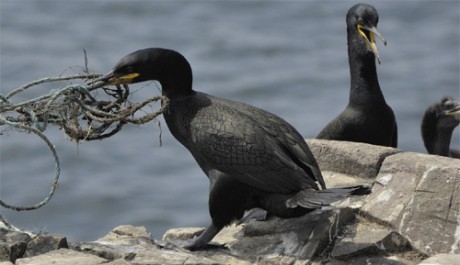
[253, 159]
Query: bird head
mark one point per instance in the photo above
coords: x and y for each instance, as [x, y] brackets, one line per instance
[135, 67]
[168, 67]
[448, 112]
[363, 19]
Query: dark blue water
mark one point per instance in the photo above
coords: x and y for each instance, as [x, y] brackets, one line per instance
[287, 57]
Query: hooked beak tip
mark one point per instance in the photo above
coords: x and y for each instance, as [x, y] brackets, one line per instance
[454, 112]
[103, 80]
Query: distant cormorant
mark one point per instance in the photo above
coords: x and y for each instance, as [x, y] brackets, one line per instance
[251, 157]
[438, 124]
[367, 118]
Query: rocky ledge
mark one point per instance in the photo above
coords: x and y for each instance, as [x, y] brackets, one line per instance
[411, 217]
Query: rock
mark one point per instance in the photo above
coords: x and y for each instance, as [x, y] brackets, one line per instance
[102, 250]
[14, 236]
[6, 263]
[276, 240]
[45, 243]
[5, 251]
[122, 242]
[412, 214]
[273, 241]
[128, 234]
[302, 237]
[182, 234]
[13, 244]
[442, 259]
[155, 257]
[373, 260]
[419, 197]
[349, 158]
[369, 240]
[118, 262]
[62, 257]
[133, 244]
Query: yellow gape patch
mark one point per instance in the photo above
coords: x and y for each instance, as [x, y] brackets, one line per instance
[129, 76]
[370, 43]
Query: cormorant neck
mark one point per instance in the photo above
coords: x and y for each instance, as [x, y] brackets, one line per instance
[441, 143]
[175, 76]
[177, 87]
[436, 139]
[364, 84]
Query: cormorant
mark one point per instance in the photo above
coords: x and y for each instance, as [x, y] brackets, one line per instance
[253, 159]
[367, 117]
[438, 124]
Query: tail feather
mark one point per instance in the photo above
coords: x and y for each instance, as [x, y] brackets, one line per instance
[312, 199]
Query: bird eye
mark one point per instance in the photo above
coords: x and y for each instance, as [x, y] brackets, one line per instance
[360, 21]
[449, 105]
[130, 69]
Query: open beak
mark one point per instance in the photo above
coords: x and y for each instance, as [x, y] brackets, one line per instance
[113, 79]
[370, 41]
[455, 111]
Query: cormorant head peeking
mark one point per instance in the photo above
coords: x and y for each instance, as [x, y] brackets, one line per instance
[448, 112]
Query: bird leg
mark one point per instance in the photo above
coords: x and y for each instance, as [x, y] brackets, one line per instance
[257, 214]
[201, 242]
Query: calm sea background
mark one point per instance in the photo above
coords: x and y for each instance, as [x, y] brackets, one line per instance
[288, 57]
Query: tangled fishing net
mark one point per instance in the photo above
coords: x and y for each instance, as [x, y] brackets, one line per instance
[84, 112]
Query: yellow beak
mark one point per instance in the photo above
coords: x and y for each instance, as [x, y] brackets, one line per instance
[370, 42]
[112, 79]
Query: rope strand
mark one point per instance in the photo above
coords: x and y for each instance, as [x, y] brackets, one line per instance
[76, 111]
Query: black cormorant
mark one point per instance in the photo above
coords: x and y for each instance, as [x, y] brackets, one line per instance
[253, 159]
[367, 118]
[438, 124]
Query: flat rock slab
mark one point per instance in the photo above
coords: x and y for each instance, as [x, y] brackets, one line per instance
[372, 260]
[62, 257]
[369, 240]
[134, 244]
[349, 158]
[418, 196]
[170, 258]
[276, 240]
[442, 259]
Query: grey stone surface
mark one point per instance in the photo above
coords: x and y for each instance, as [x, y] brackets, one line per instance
[133, 244]
[102, 250]
[276, 240]
[442, 259]
[171, 258]
[349, 158]
[45, 243]
[303, 237]
[117, 262]
[419, 197]
[182, 234]
[412, 214]
[13, 244]
[371, 260]
[62, 257]
[370, 239]
[127, 234]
